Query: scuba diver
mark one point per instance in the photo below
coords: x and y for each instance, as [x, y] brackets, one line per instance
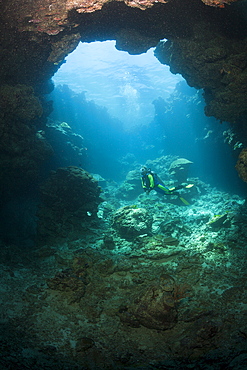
[151, 181]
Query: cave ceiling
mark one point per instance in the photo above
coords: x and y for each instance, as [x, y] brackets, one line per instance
[207, 41]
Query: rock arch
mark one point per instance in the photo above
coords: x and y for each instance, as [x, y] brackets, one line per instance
[206, 44]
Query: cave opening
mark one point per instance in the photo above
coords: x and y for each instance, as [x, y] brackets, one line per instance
[130, 109]
[124, 84]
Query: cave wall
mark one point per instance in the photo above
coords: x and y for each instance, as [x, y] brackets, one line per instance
[37, 36]
[207, 45]
[215, 61]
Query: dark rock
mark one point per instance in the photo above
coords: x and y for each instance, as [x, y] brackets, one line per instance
[70, 197]
[69, 283]
[83, 344]
[131, 187]
[241, 165]
[179, 169]
[208, 60]
[154, 308]
[131, 221]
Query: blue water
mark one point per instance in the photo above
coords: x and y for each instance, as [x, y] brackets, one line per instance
[125, 84]
[130, 109]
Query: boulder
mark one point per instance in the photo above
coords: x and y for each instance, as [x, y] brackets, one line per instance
[154, 308]
[70, 199]
[131, 187]
[179, 169]
[131, 221]
[241, 165]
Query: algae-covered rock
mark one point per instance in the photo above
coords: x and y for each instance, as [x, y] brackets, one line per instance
[179, 169]
[219, 221]
[241, 165]
[154, 308]
[210, 60]
[69, 283]
[84, 344]
[68, 146]
[131, 187]
[131, 221]
[71, 188]
[22, 148]
[23, 151]
[70, 199]
[19, 101]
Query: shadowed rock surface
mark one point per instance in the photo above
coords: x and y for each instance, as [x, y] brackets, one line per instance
[69, 198]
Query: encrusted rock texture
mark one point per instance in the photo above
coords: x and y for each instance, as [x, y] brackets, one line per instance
[208, 47]
[131, 221]
[211, 61]
[241, 165]
[69, 198]
[149, 285]
[22, 149]
[150, 302]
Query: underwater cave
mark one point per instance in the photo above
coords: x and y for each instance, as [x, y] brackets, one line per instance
[104, 266]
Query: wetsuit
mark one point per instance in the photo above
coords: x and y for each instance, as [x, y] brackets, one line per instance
[151, 181]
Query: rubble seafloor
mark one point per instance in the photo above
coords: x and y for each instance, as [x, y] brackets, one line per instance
[170, 298]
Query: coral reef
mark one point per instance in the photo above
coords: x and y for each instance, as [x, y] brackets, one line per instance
[131, 187]
[161, 166]
[131, 221]
[173, 299]
[70, 199]
[148, 285]
[35, 37]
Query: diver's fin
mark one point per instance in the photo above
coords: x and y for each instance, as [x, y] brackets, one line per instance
[184, 201]
[188, 186]
[172, 189]
[181, 187]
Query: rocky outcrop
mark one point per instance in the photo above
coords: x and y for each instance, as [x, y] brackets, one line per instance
[43, 33]
[214, 61]
[131, 187]
[241, 165]
[19, 102]
[180, 169]
[173, 300]
[120, 300]
[68, 147]
[131, 221]
[154, 308]
[22, 150]
[207, 48]
[70, 199]
[218, 3]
